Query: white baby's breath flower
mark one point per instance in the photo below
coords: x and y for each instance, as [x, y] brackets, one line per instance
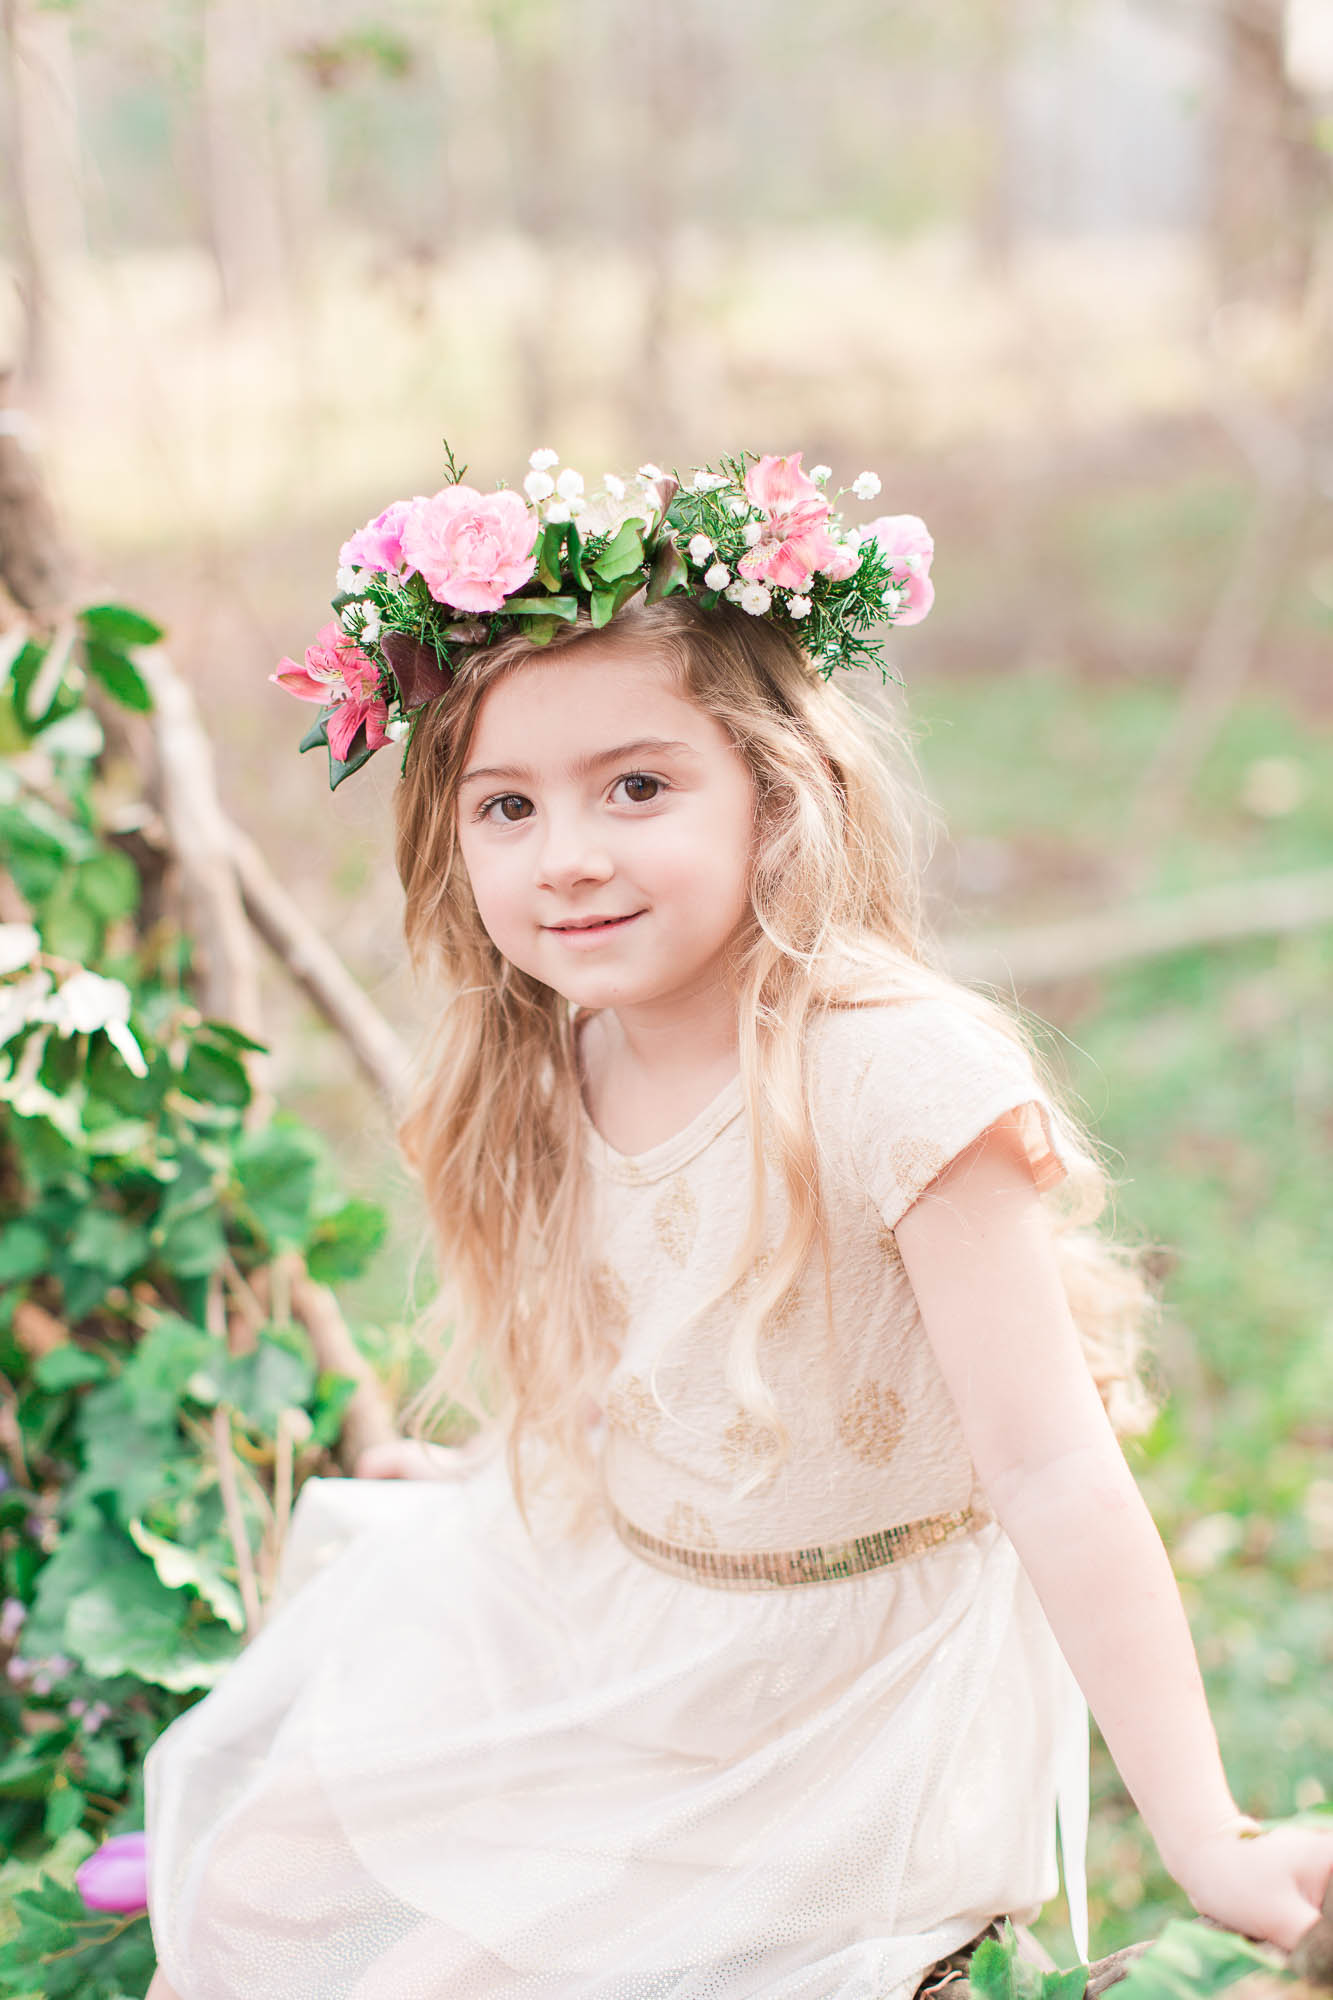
[734, 592]
[866, 485]
[19, 945]
[756, 599]
[351, 618]
[717, 576]
[570, 484]
[540, 460]
[739, 506]
[752, 533]
[349, 579]
[651, 472]
[892, 597]
[700, 548]
[539, 485]
[370, 625]
[821, 474]
[708, 482]
[798, 606]
[912, 562]
[559, 510]
[614, 485]
[396, 728]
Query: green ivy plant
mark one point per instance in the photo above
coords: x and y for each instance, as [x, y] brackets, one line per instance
[131, 1181]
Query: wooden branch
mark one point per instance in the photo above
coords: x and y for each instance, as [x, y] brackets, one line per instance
[1041, 954]
[319, 971]
[235, 1519]
[200, 835]
[368, 1418]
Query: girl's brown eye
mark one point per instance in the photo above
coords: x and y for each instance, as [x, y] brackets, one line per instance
[637, 779]
[513, 806]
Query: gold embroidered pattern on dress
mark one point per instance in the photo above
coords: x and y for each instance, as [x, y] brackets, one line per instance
[915, 1163]
[610, 1299]
[676, 1219]
[871, 1422]
[745, 1287]
[887, 1245]
[689, 1526]
[631, 1407]
[746, 1442]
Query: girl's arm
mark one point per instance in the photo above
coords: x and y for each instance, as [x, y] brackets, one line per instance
[978, 1252]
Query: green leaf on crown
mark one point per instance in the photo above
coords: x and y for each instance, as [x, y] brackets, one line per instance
[317, 735]
[669, 572]
[606, 603]
[544, 607]
[548, 555]
[361, 753]
[541, 631]
[574, 550]
[622, 554]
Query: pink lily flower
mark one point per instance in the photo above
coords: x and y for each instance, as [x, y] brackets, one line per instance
[337, 673]
[795, 540]
[116, 1876]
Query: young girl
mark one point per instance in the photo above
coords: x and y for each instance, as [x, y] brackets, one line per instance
[745, 1668]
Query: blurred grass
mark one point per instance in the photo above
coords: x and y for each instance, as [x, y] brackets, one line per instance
[1210, 1075]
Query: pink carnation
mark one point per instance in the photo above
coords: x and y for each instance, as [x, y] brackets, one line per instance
[796, 539]
[379, 544]
[473, 549]
[900, 537]
[116, 1876]
[337, 673]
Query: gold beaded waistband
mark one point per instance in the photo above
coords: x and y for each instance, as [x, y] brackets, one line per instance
[780, 1569]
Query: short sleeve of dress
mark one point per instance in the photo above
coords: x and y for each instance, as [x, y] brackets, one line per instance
[931, 1078]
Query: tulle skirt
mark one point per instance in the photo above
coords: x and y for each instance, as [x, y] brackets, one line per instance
[463, 1762]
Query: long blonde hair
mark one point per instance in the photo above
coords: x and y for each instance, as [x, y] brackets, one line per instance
[494, 1126]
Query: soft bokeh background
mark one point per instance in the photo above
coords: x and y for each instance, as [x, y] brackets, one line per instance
[1061, 271]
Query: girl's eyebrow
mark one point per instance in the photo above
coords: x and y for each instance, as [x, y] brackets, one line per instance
[581, 766]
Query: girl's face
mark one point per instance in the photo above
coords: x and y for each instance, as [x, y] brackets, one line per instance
[606, 824]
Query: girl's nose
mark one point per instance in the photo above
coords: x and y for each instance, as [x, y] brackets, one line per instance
[572, 852]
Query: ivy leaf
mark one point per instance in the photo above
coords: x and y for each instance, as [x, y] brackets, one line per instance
[155, 1380]
[108, 883]
[68, 1368]
[118, 675]
[276, 1169]
[344, 1243]
[278, 1374]
[181, 1568]
[1192, 1959]
[215, 1076]
[117, 625]
[108, 1244]
[622, 554]
[24, 1251]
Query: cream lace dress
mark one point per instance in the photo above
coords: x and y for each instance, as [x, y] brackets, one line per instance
[797, 1742]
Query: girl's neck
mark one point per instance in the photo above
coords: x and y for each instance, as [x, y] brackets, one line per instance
[645, 1078]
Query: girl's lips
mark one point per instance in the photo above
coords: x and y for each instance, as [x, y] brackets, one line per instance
[589, 934]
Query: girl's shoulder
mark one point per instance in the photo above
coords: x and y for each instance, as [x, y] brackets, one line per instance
[901, 1083]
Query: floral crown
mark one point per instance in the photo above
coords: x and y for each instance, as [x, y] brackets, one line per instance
[431, 581]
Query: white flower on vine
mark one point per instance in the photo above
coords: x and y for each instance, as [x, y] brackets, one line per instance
[821, 474]
[540, 460]
[570, 484]
[866, 485]
[539, 485]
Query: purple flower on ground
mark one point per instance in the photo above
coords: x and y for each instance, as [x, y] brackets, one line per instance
[12, 1615]
[116, 1877]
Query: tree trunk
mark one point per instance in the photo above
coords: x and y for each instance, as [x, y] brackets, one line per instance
[45, 173]
[241, 168]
